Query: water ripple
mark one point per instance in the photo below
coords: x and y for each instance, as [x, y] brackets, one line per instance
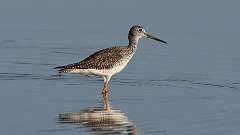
[174, 83]
[14, 76]
[25, 76]
[74, 80]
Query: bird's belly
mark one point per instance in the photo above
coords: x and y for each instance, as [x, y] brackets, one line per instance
[118, 67]
[81, 71]
[109, 72]
[101, 72]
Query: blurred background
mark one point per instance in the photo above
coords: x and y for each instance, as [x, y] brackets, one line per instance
[189, 86]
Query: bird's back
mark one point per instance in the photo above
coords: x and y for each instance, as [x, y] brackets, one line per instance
[103, 59]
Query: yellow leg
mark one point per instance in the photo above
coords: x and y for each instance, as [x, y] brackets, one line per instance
[105, 91]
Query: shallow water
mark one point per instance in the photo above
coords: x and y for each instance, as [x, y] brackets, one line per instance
[191, 86]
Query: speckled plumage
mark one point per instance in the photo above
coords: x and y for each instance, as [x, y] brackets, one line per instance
[107, 62]
[103, 59]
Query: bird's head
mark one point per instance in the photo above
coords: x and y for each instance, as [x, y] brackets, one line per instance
[138, 32]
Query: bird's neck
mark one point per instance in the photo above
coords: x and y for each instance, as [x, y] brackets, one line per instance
[133, 43]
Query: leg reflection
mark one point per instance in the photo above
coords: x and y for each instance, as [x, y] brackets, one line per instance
[100, 120]
[106, 105]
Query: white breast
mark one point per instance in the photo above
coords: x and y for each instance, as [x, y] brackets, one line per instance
[118, 67]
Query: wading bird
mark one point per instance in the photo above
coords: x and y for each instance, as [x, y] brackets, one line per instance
[110, 61]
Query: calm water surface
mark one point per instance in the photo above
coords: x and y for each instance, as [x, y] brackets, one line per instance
[190, 86]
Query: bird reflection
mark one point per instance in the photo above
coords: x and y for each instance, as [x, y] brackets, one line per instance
[101, 120]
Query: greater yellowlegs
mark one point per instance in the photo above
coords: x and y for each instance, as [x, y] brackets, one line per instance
[110, 61]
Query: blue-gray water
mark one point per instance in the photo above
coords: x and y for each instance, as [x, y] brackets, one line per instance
[191, 86]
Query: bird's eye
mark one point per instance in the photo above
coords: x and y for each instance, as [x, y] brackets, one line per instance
[140, 29]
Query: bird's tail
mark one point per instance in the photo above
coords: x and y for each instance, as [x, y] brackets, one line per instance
[65, 69]
[61, 69]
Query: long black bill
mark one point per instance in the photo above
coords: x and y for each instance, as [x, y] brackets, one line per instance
[155, 38]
